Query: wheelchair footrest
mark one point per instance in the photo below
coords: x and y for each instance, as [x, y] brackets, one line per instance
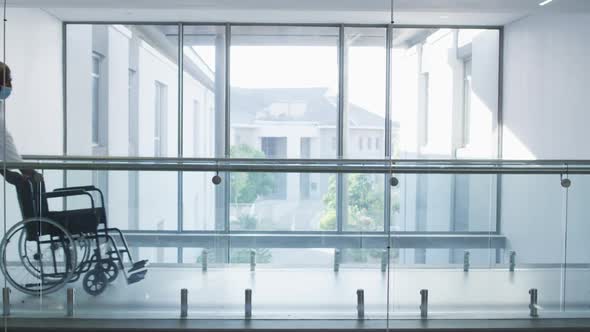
[137, 266]
[136, 277]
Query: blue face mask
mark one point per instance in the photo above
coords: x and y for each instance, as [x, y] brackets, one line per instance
[5, 92]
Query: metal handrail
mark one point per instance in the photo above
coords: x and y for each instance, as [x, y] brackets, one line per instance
[377, 166]
[343, 161]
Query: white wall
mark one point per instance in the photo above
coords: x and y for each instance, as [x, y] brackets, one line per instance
[34, 110]
[545, 116]
[33, 52]
[546, 72]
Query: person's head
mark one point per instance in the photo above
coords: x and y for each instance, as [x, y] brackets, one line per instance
[5, 81]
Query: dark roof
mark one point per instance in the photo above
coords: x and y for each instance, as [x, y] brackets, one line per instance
[249, 105]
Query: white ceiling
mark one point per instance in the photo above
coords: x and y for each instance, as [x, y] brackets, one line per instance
[452, 12]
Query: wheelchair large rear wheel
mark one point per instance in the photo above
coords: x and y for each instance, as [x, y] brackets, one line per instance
[35, 262]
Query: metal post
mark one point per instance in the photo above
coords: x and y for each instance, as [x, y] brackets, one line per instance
[6, 301]
[341, 192]
[183, 303]
[424, 303]
[70, 302]
[512, 260]
[384, 261]
[533, 307]
[466, 261]
[252, 260]
[337, 257]
[204, 260]
[248, 304]
[360, 303]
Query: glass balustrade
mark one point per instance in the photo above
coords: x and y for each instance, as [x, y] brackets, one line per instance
[475, 240]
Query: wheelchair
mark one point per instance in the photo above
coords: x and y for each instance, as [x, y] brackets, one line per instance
[49, 249]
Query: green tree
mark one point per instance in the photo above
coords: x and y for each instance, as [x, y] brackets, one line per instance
[246, 187]
[364, 200]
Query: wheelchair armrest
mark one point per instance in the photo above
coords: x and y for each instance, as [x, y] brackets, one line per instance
[83, 188]
[88, 188]
[68, 193]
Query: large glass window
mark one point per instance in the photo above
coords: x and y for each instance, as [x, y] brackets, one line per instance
[364, 92]
[129, 100]
[444, 106]
[126, 106]
[203, 79]
[365, 74]
[284, 83]
[284, 104]
[444, 93]
[284, 94]
[204, 91]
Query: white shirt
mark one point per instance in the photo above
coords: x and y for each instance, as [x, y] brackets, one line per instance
[7, 147]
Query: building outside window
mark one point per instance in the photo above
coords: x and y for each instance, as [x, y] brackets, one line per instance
[160, 107]
[467, 63]
[197, 134]
[304, 178]
[276, 147]
[424, 108]
[96, 82]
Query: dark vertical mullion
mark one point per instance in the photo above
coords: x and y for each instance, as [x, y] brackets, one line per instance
[180, 131]
[388, 134]
[499, 137]
[227, 133]
[340, 208]
[64, 59]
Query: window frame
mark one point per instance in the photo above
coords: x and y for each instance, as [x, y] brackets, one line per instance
[339, 138]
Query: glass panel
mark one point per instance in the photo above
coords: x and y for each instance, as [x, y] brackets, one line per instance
[204, 91]
[113, 72]
[444, 93]
[577, 273]
[364, 131]
[455, 203]
[19, 272]
[364, 196]
[278, 201]
[365, 61]
[135, 200]
[531, 226]
[202, 208]
[284, 91]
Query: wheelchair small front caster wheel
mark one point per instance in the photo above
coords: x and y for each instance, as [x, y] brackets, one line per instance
[110, 269]
[95, 282]
[216, 179]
